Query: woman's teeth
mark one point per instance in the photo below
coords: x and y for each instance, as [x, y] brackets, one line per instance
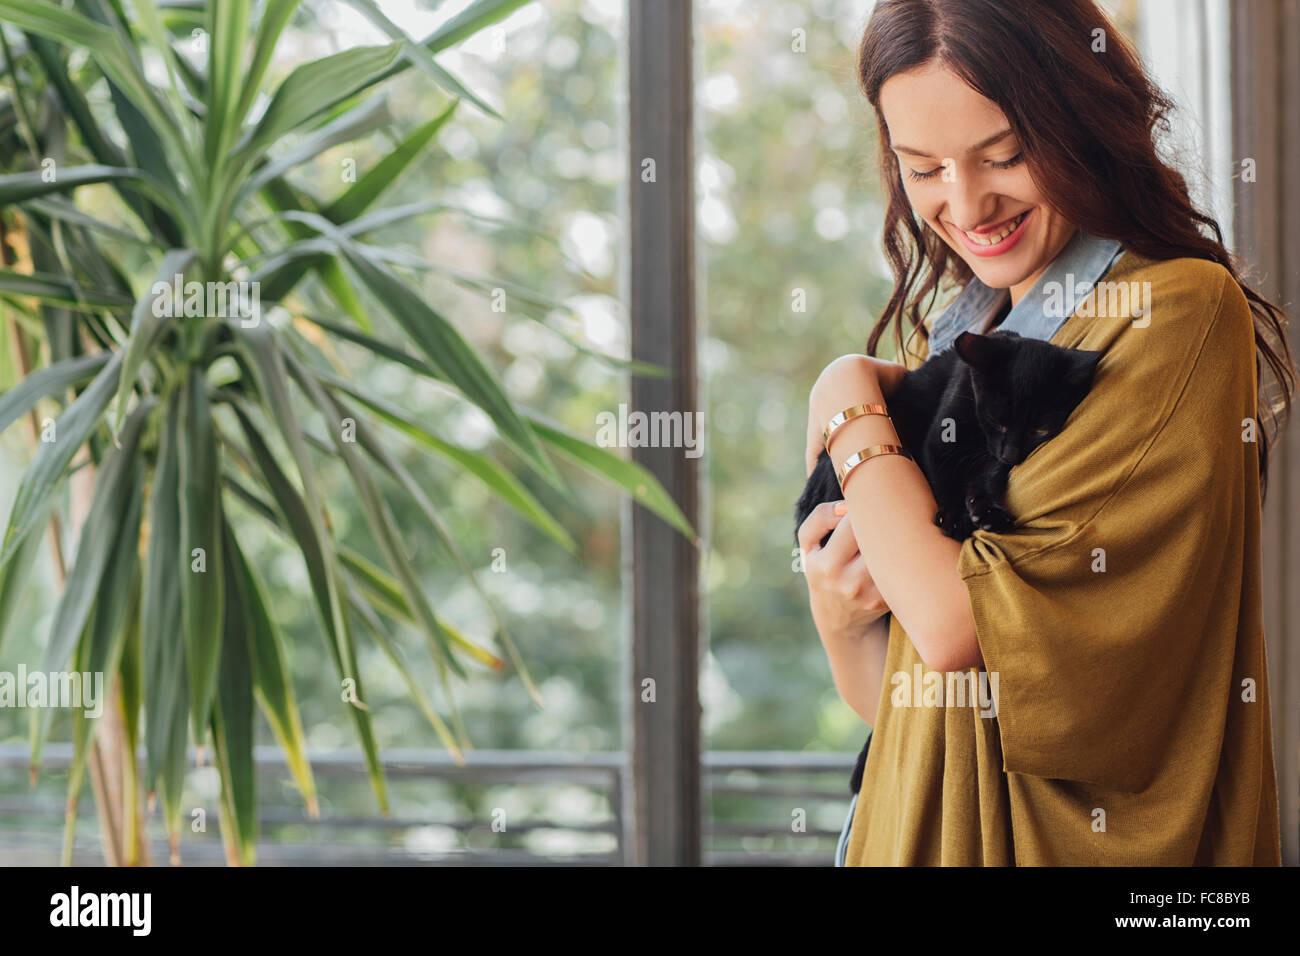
[993, 238]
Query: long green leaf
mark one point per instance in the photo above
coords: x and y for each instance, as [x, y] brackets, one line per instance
[13, 579]
[46, 381]
[370, 115]
[165, 692]
[493, 477]
[104, 151]
[49, 287]
[390, 649]
[313, 88]
[361, 194]
[200, 563]
[270, 672]
[356, 200]
[462, 26]
[70, 431]
[101, 647]
[625, 474]
[385, 594]
[275, 16]
[232, 716]
[381, 522]
[146, 322]
[439, 340]
[305, 517]
[131, 684]
[116, 486]
[228, 31]
[420, 56]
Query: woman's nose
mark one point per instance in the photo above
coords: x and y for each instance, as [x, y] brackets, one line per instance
[970, 205]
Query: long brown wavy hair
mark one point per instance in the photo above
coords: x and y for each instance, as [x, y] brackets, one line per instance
[1087, 122]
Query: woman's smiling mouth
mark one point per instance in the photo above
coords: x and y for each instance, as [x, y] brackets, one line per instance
[1002, 238]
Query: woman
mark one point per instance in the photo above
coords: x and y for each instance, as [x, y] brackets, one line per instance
[1121, 713]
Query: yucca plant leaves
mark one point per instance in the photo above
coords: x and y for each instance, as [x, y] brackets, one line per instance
[463, 25]
[145, 325]
[270, 672]
[232, 717]
[103, 645]
[413, 686]
[314, 87]
[166, 700]
[228, 31]
[367, 189]
[622, 472]
[385, 595]
[382, 524]
[51, 288]
[131, 689]
[105, 152]
[66, 26]
[18, 187]
[163, 655]
[161, 594]
[418, 55]
[370, 115]
[13, 578]
[275, 15]
[47, 381]
[116, 495]
[355, 201]
[70, 431]
[322, 574]
[438, 339]
[201, 568]
[493, 477]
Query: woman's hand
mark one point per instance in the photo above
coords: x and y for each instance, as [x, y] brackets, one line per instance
[843, 598]
[848, 610]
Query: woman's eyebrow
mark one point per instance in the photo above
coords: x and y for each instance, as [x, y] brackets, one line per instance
[985, 144]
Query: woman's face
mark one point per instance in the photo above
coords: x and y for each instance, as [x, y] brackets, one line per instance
[964, 174]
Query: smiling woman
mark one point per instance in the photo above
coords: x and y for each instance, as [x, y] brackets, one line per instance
[1121, 614]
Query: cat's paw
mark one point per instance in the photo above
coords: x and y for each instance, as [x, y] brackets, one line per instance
[954, 524]
[988, 515]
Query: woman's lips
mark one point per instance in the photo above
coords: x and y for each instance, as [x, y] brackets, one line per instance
[1006, 244]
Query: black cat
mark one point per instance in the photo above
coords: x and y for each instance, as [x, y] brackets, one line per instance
[967, 416]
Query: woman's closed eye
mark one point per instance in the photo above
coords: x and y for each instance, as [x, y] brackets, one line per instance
[916, 176]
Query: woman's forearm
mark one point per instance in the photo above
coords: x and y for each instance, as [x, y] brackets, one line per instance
[913, 564]
[858, 667]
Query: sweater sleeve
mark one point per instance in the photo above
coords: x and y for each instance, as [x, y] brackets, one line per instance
[1110, 609]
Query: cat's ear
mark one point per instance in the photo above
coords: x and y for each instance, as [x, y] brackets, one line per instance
[980, 351]
[1083, 364]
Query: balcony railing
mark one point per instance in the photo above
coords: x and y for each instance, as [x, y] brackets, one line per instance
[762, 808]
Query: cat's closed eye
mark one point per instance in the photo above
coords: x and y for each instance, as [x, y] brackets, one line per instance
[1040, 432]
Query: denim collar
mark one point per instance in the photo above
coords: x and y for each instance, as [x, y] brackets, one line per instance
[1044, 308]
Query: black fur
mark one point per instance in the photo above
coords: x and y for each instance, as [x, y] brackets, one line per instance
[995, 398]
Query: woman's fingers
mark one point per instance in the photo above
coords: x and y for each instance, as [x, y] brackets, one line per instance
[819, 522]
[843, 544]
[859, 586]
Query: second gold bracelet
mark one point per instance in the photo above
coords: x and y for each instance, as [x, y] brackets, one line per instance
[858, 457]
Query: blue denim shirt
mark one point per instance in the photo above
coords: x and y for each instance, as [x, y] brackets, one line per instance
[1044, 308]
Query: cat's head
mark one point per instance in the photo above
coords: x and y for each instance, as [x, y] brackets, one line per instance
[1025, 389]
